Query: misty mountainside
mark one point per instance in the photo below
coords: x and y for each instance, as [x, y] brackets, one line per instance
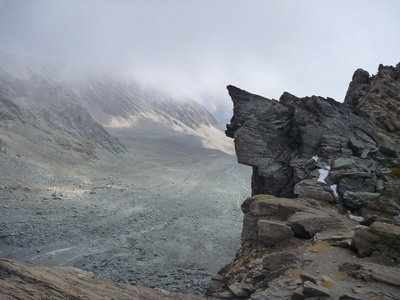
[41, 107]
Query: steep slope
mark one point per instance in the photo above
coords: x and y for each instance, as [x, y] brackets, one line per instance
[117, 105]
[40, 117]
[46, 92]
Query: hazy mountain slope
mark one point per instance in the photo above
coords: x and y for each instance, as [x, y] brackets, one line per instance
[118, 105]
[45, 91]
[39, 112]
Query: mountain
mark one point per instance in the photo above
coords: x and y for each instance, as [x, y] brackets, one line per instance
[74, 113]
[40, 116]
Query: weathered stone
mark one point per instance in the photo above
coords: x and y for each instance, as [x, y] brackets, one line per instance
[297, 296]
[312, 290]
[326, 281]
[271, 232]
[356, 182]
[307, 277]
[29, 282]
[372, 272]
[314, 190]
[357, 200]
[301, 215]
[350, 297]
[306, 224]
[343, 163]
[379, 239]
[239, 289]
[378, 96]
[276, 264]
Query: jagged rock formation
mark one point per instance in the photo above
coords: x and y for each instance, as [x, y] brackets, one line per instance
[379, 97]
[290, 142]
[25, 281]
[325, 187]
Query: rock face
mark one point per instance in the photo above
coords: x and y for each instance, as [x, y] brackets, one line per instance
[378, 96]
[334, 151]
[319, 168]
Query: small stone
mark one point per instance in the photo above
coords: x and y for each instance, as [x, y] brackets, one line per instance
[326, 281]
[343, 163]
[237, 289]
[297, 296]
[313, 290]
[349, 297]
[307, 277]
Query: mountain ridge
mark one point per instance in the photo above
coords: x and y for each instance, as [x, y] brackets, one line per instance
[88, 106]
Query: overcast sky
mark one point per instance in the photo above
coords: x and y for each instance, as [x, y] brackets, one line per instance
[197, 47]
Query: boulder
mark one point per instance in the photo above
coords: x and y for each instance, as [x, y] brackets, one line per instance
[272, 232]
[357, 200]
[379, 239]
[314, 190]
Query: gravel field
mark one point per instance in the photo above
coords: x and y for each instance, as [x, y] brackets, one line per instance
[164, 215]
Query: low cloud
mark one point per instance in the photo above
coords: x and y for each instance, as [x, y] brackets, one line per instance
[196, 48]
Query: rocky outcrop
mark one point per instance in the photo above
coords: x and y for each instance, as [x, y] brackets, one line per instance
[25, 281]
[326, 194]
[319, 147]
[379, 97]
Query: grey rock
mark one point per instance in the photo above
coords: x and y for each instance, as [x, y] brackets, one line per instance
[357, 200]
[315, 190]
[379, 239]
[307, 277]
[278, 139]
[239, 289]
[342, 163]
[313, 290]
[373, 272]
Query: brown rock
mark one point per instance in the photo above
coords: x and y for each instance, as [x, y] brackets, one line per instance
[379, 239]
[29, 282]
[373, 272]
[314, 190]
[271, 232]
[357, 200]
[306, 224]
[239, 289]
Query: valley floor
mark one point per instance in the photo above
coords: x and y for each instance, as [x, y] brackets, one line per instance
[164, 215]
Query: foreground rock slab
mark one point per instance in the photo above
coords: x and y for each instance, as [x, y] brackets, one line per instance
[25, 281]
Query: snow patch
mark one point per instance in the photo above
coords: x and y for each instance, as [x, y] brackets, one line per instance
[334, 189]
[315, 158]
[357, 218]
[323, 173]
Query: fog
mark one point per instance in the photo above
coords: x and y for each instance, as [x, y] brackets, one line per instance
[196, 48]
